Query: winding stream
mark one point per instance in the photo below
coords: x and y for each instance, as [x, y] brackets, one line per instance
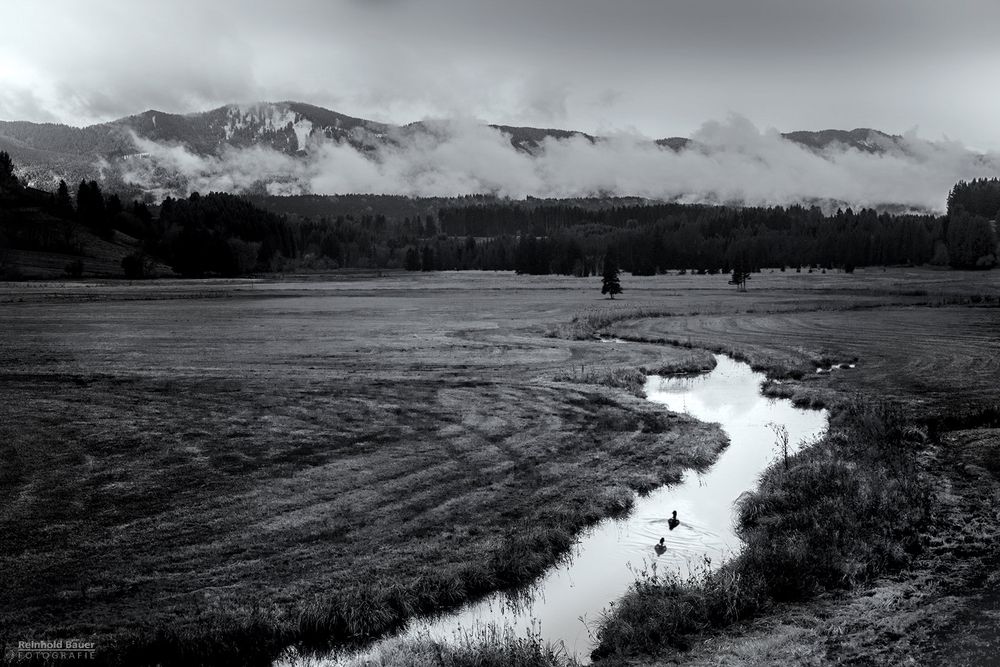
[566, 604]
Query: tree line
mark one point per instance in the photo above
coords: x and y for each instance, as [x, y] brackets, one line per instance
[978, 197]
[228, 235]
[651, 239]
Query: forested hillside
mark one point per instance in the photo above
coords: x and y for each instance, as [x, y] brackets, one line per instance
[226, 235]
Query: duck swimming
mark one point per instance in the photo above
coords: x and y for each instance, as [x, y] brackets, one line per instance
[661, 547]
[673, 521]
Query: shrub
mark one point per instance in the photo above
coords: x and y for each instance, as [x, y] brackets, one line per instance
[136, 266]
[74, 269]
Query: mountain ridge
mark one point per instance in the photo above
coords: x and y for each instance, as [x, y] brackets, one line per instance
[116, 150]
[202, 130]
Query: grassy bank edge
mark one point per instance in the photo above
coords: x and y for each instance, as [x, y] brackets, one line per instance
[499, 648]
[838, 513]
[633, 379]
[258, 633]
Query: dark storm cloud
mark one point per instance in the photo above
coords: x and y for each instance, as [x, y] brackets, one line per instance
[659, 66]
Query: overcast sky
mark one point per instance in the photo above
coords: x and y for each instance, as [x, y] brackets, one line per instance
[659, 67]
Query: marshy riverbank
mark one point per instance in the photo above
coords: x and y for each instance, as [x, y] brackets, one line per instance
[566, 607]
[287, 465]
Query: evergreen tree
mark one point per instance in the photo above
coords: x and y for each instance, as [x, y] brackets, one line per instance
[8, 180]
[82, 198]
[971, 242]
[610, 284]
[136, 266]
[740, 278]
[64, 203]
[113, 205]
[90, 208]
[141, 211]
[427, 260]
[412, 259]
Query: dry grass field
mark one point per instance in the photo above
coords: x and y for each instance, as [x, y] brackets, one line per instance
[318, 459]
[220, 468]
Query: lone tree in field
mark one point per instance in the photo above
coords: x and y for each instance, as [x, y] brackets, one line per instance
[609, 281]
[740, 278]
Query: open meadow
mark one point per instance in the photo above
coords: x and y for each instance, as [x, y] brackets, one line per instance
[316, 459]
[219, 469]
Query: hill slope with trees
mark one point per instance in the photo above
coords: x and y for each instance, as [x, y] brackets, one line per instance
[94, 233]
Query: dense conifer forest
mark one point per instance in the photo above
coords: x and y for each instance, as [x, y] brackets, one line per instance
[226, 235]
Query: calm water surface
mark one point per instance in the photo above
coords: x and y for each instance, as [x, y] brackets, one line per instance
[565, 605]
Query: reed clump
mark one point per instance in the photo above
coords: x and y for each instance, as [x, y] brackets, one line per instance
[487, 646]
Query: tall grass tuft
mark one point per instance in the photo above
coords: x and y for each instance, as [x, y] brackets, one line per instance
[634, 379]
[487, 646]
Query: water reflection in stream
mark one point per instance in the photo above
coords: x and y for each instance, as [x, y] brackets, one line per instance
[564, 606]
